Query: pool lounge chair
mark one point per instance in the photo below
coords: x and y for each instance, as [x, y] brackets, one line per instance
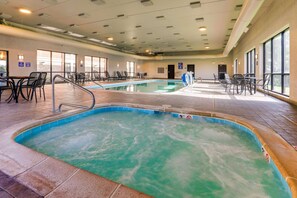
[120, 77]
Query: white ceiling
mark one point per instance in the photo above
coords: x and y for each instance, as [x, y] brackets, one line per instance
[154, 34]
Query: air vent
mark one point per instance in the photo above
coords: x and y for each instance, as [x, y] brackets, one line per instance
[105, 26]
[195, 4]
[4, 15]
[138, 26]
[158, 38]
[238, 7]
[98, 2]
[176, 33]
[203, 34]
[200, 19]
[94, 32]
[83, 15]
[43, 15]
[149, 33]
[122, 32]
[230, 29]
[146, 2]
[233, 20]
[169, 26]
[206, 43]
[134, 38]
[120, 15]
[160, 17]
[205, 39]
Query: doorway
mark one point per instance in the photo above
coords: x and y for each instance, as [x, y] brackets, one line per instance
[171, 71]
[222, 69]
[191, 68]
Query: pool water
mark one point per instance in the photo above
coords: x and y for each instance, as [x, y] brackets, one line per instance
[159, 86]
[163, 156]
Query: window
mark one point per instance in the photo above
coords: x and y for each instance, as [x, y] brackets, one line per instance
[277, 62]
[95, 66]
[3, 65]
[55, 63]
[250, 62]
[131, 68]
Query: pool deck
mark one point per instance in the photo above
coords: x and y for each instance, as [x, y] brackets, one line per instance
[26, 173]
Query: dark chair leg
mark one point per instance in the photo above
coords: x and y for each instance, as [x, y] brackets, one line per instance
[43, 93]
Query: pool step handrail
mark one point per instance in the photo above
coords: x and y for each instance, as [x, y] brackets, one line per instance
[69, 104]
[97, 84]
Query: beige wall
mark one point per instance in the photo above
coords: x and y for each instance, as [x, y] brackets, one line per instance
[28, 48]
[273, 17]
[204, 68]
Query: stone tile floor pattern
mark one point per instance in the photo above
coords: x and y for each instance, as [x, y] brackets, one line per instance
[266, 110]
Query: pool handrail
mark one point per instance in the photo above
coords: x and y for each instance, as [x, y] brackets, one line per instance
[97, 84]
[69, 104]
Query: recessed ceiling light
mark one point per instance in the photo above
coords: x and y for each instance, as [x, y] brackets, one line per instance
[203, 28]
[147, 51]
[110, 38]
[195, 4]
[25, 11]
[206, 47]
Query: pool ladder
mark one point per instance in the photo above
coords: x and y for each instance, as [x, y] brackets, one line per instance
[70, 104]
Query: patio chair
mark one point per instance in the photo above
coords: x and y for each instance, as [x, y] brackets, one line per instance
[263, 84]
[120, 77]
[215, 78]
[108, 77]
[40, 84]
[80, 78]
[6, 84]
[31, 84]
[126, 74]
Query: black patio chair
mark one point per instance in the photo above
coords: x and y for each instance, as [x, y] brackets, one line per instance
[31, 84]
[6, 84]
[120, 77]
[40, 84]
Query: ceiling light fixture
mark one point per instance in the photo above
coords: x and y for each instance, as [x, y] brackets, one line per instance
[25, 11]
[206, 47]
[74, 34]
[110, 38]
[50, 28]
[195, 4]
[203, 28]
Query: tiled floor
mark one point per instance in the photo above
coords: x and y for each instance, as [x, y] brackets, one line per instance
[266, 110]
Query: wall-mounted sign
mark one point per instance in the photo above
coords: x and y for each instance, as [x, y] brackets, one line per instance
[28, 64]
[21, 64]
[180, 65]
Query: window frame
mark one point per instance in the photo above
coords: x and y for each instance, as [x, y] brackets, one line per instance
[273, 74]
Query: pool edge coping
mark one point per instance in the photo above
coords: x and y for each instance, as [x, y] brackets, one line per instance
[278, 149]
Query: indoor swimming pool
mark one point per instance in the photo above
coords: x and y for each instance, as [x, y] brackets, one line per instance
[146, 86]
[161, 155]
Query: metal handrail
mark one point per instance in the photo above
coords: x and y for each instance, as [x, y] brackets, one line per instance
[97, 84]
[69, 104]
